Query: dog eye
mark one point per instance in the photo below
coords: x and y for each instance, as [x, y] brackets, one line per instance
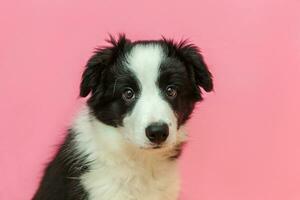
[128, 94]
[171, 91]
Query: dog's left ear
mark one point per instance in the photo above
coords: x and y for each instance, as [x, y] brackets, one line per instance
[195, 62]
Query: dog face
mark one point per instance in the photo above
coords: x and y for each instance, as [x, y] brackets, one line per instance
[146, 89]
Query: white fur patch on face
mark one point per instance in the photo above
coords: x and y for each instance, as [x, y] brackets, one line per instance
[144, 61]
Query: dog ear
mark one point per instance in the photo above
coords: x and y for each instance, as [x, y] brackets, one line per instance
[101, 60]
[193, 58]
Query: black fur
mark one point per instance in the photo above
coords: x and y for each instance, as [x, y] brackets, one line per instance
[106, 77]
[61, 177]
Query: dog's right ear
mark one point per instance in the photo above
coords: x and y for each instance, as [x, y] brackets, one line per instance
[101, 60]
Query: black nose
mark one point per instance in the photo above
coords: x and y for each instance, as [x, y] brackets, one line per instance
[157, 132]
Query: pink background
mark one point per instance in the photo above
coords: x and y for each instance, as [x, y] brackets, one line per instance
[244, 138]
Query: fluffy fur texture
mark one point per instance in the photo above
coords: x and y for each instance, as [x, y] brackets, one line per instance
[133, 87]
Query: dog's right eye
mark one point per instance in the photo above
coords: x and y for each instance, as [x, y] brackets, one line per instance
[171, 91]
[128, 95]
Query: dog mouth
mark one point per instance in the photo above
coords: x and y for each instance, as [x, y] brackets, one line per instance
[154, 147]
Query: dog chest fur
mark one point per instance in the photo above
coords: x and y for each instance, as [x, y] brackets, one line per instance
[131, 181]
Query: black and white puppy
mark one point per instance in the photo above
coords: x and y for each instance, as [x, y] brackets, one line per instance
[124, 143]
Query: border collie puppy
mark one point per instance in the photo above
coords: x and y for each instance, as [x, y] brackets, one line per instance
[124, 143]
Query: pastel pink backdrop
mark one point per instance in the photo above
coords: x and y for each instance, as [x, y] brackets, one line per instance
[244, 138]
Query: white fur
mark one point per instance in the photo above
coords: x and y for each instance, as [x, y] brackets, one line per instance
[121, 166]
[144, 61]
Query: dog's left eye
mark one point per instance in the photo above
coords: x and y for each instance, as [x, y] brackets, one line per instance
[171, 91]
[128, 95]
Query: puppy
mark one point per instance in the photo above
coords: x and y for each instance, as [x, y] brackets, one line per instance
[124, 143]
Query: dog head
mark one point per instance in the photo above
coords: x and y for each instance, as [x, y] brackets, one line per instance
[146, 89]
